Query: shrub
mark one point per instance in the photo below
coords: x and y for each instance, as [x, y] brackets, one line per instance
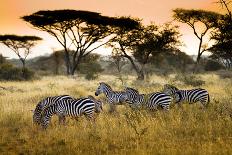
[192, 80]
[9, 72]
[91, 76]
[212, 65]
[90, 70]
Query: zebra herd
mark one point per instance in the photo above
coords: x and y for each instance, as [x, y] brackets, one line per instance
[66, 105]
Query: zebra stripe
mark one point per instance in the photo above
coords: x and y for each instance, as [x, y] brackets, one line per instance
[151, 101]
[45, 103]
[191, 96]
[70, 107]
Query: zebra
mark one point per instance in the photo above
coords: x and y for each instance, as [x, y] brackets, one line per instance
[132, 94]
[43, 104]
[73, 108]
[191, 96]
[151, 101]
[114, 97]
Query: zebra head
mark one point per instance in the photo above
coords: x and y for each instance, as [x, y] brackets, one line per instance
[169, 89]
[177, 97]
[37, 113]
[103, 88]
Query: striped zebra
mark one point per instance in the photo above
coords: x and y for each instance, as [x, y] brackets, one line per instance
[132, 94]
[113, 97]
[152, 101]
[191, 96]
[71, 107]
[45, 103]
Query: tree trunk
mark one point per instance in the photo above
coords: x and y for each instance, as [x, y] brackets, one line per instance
[67, 62]
[198, 56]
[140, 74]
[75, 65]
[24, 67]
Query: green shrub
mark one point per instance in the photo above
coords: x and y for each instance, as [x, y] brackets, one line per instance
[90, 70]
[91, 76]
[189, 79]
[212, 65]
[9, 72]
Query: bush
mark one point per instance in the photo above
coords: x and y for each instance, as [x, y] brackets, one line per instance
[28, 74]
[192, 80]
[212, 65]
[91, 76]
[9, 72]
[90, 70]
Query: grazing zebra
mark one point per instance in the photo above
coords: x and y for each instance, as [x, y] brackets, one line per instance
[44, 103]
[73, 108]
[151, 101]
[191, 96]
[114, 97]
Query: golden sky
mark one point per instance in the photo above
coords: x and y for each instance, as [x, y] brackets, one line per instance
[159, 11]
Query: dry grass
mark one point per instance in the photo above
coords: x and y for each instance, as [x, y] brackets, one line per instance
[187, 130]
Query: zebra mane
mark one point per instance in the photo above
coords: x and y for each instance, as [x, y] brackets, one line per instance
[168, 86]
[105, 84]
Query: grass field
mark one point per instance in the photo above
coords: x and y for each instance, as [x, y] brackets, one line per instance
[186, 130]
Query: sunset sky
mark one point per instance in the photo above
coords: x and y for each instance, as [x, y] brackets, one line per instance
[159, 11]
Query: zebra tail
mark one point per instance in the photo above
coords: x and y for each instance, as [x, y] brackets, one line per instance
[208, 99]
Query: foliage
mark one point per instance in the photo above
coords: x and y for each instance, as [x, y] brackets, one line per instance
[191, 79]
[222, 49]
[80, 31]
[156, 40]
[212, 65]
[191, 17]
[9, 72]
[20, 45]
[90, 67]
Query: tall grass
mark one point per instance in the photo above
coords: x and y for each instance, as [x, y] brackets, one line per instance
[186, 130]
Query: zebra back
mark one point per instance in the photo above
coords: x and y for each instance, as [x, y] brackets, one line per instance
[69, 107]
[191, 96]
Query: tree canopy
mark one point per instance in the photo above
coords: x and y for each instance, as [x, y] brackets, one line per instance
[20, 45]
[191, 17]
[81, 31]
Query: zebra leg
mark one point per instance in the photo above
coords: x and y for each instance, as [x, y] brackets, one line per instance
[179, 104]
[62, 119]
[112, 108]
[166, 107]
[90, 117]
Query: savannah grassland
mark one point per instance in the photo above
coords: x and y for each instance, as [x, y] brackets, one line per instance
[182, 130]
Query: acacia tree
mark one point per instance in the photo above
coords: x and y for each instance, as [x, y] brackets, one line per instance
[192, 17]
[222, 49]
[124, 42]
[155, 40]
[80, 31]
[139, 44]
[20, 45]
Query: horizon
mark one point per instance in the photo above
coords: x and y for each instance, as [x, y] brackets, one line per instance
[147, 10]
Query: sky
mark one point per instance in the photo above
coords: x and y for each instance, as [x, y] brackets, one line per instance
[158, 11]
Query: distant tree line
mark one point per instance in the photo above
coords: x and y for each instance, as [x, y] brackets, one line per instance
[82, 32]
